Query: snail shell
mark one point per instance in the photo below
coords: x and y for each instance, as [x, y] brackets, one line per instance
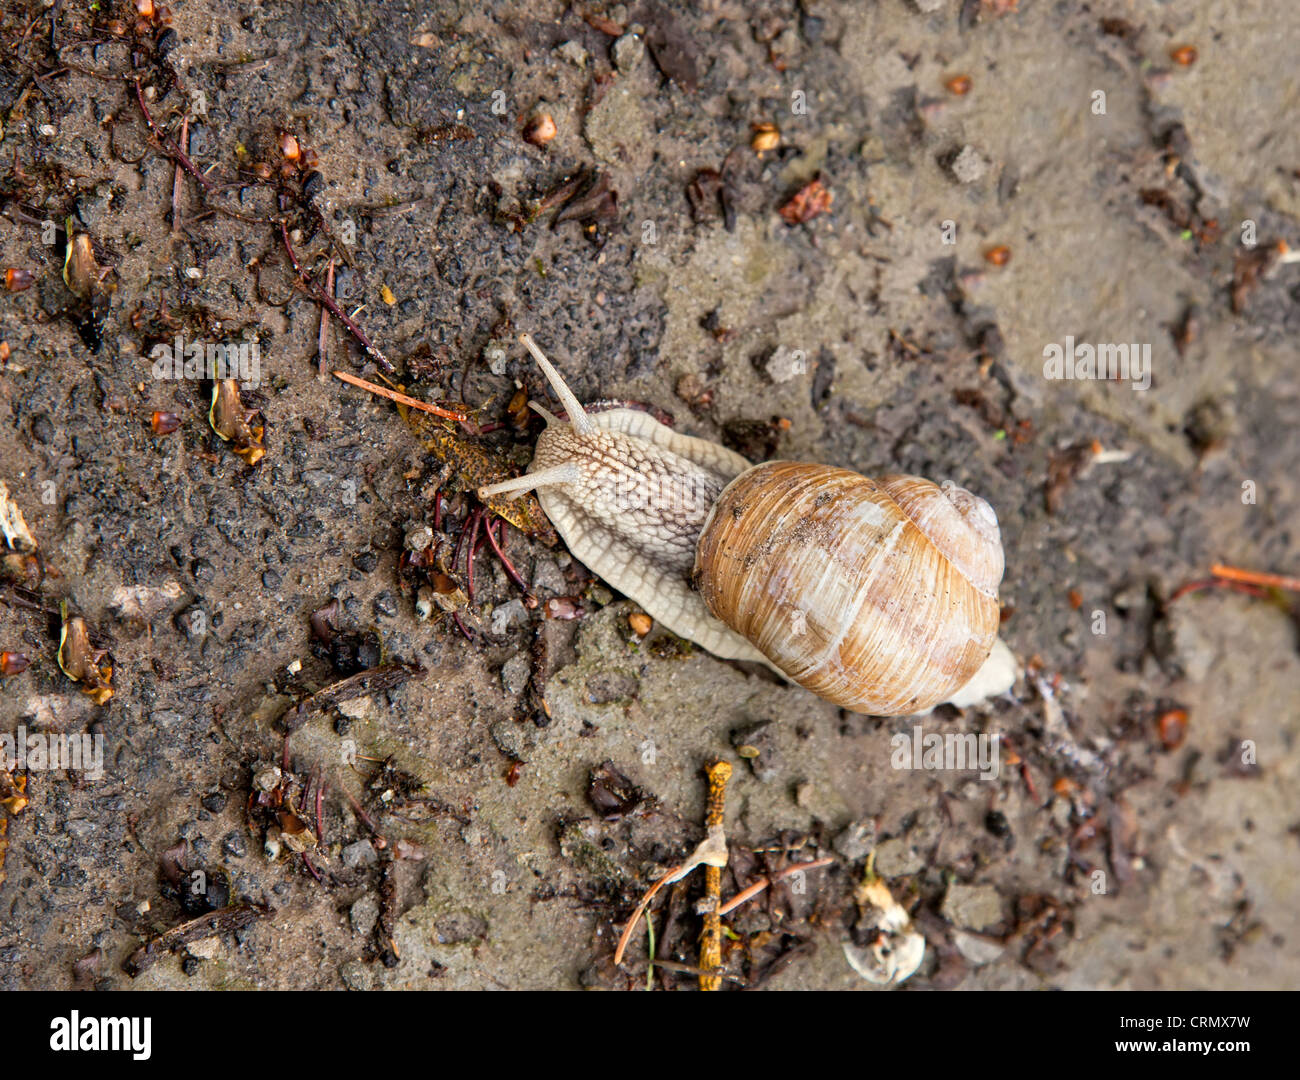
[878, 595]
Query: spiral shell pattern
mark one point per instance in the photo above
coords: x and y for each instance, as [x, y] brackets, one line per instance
[878, 595]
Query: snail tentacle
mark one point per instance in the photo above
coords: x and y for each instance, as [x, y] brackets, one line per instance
[556, 474]
[577, 415]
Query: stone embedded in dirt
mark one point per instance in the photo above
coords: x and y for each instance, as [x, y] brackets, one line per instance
[361, 853]
[205, 948]
[898, 858]
[977, 950]
[975, 907]
[548, 577]
[364, 914]
[515, 673]
[969, 166]
[855, 840]
[511, 613]
[785, 364]
[755, 743]
[356, 976]
[629, 52]
[574, 53]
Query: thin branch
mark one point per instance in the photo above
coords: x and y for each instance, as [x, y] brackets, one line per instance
[172, 149]
[1256, 577]
[371, 348]
[763, 883]
[402, 399]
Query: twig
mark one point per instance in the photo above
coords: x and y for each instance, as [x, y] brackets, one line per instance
[370, 681]
[498, 549]
[320, 800]
[175, 151]
[357, 809]
[401, 399]
[762, 883]
[691, 969]
[673, 874]
[1215, 583]
[226, 920]
[472, 526]
[322, 344]
[178, 175]
[711, 938]
[650, 953]
[372, 350]
[1256, 577]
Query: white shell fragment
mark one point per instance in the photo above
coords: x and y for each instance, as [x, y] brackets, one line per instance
[897, 949]
[15, 530]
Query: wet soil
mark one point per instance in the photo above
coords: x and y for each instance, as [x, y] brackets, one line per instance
[463, 841]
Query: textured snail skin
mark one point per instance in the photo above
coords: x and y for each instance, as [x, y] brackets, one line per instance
[640, 496]
[877, 595]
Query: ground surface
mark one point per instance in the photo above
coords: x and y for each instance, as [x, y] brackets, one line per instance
[1112, 859]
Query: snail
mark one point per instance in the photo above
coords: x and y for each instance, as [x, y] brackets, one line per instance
[879, 595]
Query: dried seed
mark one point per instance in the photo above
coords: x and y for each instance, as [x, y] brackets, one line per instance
[766, 137]
[540, 129]
[13, 663]
[1173, 728]
[808, 202]
[164, 423]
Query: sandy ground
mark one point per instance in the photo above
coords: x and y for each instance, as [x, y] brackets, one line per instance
[1111, 851]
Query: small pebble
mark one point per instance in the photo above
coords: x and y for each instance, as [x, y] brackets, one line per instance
[969, 166]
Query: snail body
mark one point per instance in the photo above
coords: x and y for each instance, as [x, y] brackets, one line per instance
[879, 595]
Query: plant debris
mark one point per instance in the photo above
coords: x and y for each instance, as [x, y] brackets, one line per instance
[810, 201]
[237, 425]
[81, 661]
[228, 920]
[16, 533]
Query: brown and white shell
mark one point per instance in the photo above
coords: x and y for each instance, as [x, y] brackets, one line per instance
[878, 595]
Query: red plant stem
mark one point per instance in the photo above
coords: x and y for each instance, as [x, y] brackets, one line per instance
[178, 174]
[167, 144]
[372, 350]
[1215, 583]
[320, 798]
[475, 520]
[322, 343]
[460, 542]
[499, 550]
[362, 816]
[437, 510]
